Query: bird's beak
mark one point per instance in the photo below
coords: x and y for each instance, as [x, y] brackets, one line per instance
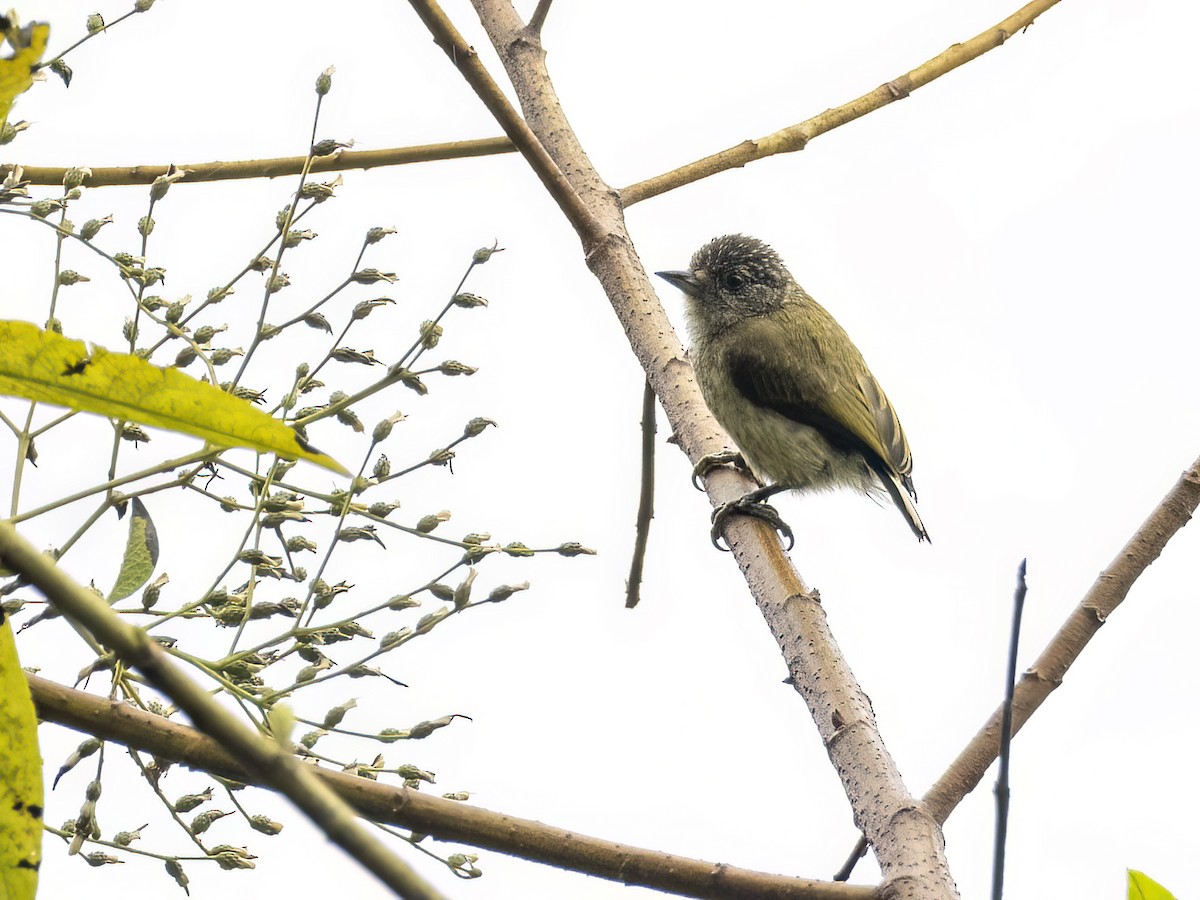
[684, 280]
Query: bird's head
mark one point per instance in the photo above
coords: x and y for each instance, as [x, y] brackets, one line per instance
[731, 278]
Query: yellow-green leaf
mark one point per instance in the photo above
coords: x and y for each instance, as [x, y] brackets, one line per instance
[16, 71]
[42, 365]
[1143, 887]
[141, 553]
[20, 777]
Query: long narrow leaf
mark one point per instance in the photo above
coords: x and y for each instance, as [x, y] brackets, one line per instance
[42, 365]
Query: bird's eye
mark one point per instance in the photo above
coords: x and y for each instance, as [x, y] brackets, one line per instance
[733, 281]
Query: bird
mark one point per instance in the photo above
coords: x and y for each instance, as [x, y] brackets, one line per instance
[784, 379]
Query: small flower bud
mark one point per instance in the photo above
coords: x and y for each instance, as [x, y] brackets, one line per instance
[161, 184]
[294, 238]
[319, 193]
[95, 22]
[384, 429]
[373, 276]
[411, 381]
[145, 225]
[334, 717]
[297, 543]
[427, 523]
[318, 321]
[265, 825]
[383, 465]
[201, 823]
[222, 355]
[453, 367]
[462, 593]
[350, 355]
[469, 301]
[92, 227]
[324, 82]
[431, 333]
[205, 333]
[483, 254]
[574, 549]
[76, 176]
[377, 234]
[504, 591]
[366, 307]
[476, 426]
[69, 276]
[328, 147]
[217, 294]
[62, 70]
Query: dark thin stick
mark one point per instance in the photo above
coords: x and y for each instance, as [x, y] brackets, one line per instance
[1002, 793]
[633, 586]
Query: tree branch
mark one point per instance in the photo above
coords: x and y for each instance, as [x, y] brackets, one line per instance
[448, 820]
[466, 60]
[271, 168]
[1046, 673]
[266, 758]
[645, 513]
[796, 137]
[907, 840]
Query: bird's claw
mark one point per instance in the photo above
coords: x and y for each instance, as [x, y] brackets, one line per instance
[750, 505]
[710, 461]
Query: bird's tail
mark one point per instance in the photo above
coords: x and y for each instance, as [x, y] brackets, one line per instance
[905, 504]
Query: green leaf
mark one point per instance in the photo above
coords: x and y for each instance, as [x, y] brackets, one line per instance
[42, 365]
[141, 553]
[1143, 887]
[16, 71]
[20, 777]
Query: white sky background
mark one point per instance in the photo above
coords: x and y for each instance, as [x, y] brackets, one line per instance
[1013, 250]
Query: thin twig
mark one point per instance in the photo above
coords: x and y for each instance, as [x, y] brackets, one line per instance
[266, 758]
[106, 176]
[796, 137]
[633, 587]
[467, 61]
[1002, 794]
[444, 819]
[1046, 673]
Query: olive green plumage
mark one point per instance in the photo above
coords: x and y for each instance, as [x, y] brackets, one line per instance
[785, 380]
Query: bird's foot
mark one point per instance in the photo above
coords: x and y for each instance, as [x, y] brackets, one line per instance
[710, 461]
[750, 505]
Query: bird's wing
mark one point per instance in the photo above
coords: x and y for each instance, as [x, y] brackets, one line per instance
[863, 420]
